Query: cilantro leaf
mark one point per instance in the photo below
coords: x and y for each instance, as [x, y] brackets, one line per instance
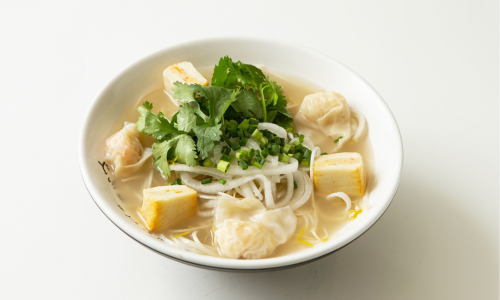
[180, 148]
[247, 101]
[271, 115]
[186, 119]
[148, 105]
[219, 99]
[160, 155]
[154, 125]
[281, 108]
[185, 150]
[220, 75]
[207, 135]
[185, 93]
[230, 74]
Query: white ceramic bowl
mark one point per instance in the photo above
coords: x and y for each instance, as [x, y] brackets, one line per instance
[129, 85]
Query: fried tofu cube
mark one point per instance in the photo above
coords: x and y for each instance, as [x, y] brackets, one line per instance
[340, 172]
[184, 72]
[165, 206]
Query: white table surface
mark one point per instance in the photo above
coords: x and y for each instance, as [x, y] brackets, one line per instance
[434, 62]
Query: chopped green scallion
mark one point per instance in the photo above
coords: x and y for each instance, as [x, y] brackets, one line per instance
[207, 180]
[228, 158]
[208, 163]
[222, 181]
[176, 182]
[265, 153]
[235, 146]
[298, 156]
[301, 138]
[253, 121]
[257, 165]
[284, 158]
[243, 164]
[251, 153]
[244, 125]
[241, 155]
[307, 154]
[223, 166]
[257, 134]
[304, 163]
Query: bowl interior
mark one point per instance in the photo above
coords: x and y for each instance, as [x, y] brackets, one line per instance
[143, 76]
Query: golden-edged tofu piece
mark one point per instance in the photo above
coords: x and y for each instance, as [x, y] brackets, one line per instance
[184, 72]
[165, 206]
[340, 172]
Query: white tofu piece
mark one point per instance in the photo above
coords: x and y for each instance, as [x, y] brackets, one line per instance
[165, 206]
[340, 172]
[184, 72]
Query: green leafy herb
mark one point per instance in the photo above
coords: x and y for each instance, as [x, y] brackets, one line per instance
[207, 136]
[155, 125]
[186, 119]
[180, 148]
[338, 139]
[240, 97]
[246, 101]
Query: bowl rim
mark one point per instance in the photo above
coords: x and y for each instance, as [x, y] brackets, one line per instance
[223, 263]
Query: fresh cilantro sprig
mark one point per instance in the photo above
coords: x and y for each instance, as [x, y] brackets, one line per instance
[173, 143]
[239, 91]
[232, 75]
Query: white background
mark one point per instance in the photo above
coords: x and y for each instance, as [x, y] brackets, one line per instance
[434, 62]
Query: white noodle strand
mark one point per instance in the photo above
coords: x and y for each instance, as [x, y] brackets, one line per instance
[343, 196]
[361, 124]
[276, 129]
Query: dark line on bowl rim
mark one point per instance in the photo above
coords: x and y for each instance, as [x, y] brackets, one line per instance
[237, 270]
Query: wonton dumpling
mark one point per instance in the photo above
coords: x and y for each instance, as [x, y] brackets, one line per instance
[124, 149]
[328, 112]
[245, 229]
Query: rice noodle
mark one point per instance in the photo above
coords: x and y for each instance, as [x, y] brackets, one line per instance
[252, 143]
[273, 188]
[304, 190]
[255, 190]
[204, 213]
[343, 196]
[308, 143]
[361, 124]
[289, 191]
[215, 187]
[211, 203]
[266, 170]
[150, 179]
[276, 129]
[272, 160]
[192, 228]
[314, 154]
[202, 196]
[180, 245]
[247, 190]
[200, 170]
[204, 248]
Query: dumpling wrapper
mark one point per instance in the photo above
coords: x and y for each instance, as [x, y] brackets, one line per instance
[328, 112]
[125, 152]
[245, 229]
